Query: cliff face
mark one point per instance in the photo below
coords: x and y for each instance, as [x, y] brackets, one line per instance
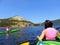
[15, 21]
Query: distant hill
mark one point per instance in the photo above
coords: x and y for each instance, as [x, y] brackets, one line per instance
[16, 21]
[55, 22]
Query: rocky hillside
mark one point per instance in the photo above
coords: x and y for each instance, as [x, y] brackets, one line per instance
[15, 21]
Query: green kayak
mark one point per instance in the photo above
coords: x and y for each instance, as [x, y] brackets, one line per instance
[15, 30]
[49, 42]
[11, 31]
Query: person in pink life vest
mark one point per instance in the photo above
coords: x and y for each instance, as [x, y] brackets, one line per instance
[49, 32]
[7, 29]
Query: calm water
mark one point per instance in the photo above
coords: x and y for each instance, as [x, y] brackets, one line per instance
[23, 35]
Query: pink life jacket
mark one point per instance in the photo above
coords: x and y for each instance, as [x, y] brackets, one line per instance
[50, 34]
[7, 29]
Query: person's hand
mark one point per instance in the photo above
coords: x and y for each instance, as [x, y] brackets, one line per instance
[38, 37]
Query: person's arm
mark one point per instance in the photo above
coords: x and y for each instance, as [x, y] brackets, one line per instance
[58, 33]
[41, 36]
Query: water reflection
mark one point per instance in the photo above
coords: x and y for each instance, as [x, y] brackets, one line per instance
[7, 36]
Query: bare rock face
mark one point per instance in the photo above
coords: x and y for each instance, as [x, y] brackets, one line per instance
[18, 18]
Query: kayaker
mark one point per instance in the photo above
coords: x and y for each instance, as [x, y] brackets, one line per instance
[49, 32]
[7, 29]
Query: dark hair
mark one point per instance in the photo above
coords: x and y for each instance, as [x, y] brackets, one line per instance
[48, 24]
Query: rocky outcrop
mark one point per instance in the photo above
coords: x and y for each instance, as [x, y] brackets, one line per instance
[18, 18]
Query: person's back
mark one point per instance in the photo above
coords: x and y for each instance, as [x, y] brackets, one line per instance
[50, 34]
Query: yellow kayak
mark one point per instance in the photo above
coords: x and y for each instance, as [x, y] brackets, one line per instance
[26, 43]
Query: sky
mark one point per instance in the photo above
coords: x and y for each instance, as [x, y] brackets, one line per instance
[35, 11]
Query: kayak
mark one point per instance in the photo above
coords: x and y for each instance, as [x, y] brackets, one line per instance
[15, 30]
[48, 43]
[11, 31]
[26, 43]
